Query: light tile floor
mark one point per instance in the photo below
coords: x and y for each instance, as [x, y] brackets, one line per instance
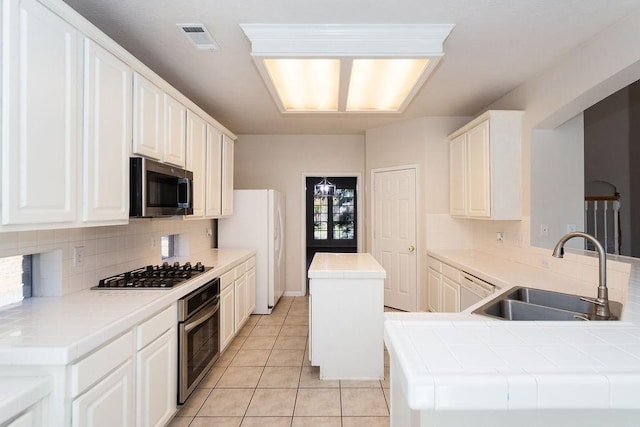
[264, 379]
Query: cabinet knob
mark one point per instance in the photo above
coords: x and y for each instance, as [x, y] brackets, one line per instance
[412, 248]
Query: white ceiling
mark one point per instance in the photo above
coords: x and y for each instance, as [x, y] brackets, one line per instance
[495, 46]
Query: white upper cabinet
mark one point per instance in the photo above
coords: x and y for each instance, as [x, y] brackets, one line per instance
[159, 123]
[41, 62]
[197, 161]
[214, 173]
[107, 135]
[148, 123]
[485, 167]
[175, 116]
[227, 175]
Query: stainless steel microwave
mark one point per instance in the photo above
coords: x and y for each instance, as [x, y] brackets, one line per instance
[158, 189]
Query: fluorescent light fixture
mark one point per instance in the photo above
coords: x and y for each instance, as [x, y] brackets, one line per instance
[306, 84]
[336, 68]
[383, 84]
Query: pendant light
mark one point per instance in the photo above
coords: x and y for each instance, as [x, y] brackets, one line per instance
[324, 188]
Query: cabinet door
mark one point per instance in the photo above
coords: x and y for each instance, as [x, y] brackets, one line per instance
[251, 291]
[41, 109]
[450, 296]
[241, 301]
[175, 132]
[107, 135]
[433, 290]
[214, 173]
[227, 308]
[148, 112]
[156, 381]
[108, 403]
[227, 176]
[197, 161]
[458, 176]
[479, 171]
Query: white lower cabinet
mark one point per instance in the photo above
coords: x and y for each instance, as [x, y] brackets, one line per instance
[241, 302]
[237, 300]
[31, 417]
[443, 287]
[156, 370]
[132, 381]
[227, 308]
[109, 403]
[251, 287]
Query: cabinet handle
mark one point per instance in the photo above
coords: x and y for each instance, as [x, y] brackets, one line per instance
[412, 248]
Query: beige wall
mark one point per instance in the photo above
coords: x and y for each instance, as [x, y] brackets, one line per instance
[279, 162]
[422, 143]
[588, 74]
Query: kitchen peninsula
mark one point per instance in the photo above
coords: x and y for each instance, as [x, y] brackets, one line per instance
[458, 369]
[346, 312]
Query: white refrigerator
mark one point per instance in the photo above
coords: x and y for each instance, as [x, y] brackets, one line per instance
[258, 222]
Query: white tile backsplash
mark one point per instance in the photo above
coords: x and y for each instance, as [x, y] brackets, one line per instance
[107, 250]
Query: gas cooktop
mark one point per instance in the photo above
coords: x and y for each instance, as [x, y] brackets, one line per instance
[165, 276]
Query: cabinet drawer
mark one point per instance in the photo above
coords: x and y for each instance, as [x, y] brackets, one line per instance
[241, 269]
[90, 369]
[154, 327]
[251, 262]
[227, 279]
[451, 272]
[434, 264]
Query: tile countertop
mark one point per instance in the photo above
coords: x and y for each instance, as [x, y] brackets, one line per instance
[462, 361]
[345, 266]
[60, 330]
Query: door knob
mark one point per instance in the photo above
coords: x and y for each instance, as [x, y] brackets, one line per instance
[412, 248]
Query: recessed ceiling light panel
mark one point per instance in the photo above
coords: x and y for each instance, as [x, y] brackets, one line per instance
[384, 65]
[306, 84]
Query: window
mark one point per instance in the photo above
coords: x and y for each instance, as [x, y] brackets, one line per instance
[168, 246]
[15, 279]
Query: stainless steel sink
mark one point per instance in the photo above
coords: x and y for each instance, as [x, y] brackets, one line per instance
[536, 304]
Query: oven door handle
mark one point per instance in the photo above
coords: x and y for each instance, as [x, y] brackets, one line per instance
[204, 315]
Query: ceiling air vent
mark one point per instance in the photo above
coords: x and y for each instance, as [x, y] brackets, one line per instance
[199, 36]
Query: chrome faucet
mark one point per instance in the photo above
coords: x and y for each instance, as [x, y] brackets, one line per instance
[602, 301]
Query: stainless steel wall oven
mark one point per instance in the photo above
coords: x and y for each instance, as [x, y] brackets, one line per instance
[198, 336]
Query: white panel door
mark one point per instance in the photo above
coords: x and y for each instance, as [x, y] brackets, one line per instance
[175, 132]
[41, 111]
[214, 173]
[227, 176]
[156, 381]
[197, 161]
[148, 117]
[479, 171]
[107, 135]
[394, 235]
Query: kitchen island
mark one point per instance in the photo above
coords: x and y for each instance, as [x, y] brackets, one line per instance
[459, 369]
[346, 314]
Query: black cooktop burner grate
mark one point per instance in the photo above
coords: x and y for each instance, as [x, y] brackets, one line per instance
[163, 276]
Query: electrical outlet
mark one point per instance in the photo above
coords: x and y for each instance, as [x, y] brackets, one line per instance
[209, 232]
[544, 229]
[500, 236]
[154, 242]
[78, 256]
